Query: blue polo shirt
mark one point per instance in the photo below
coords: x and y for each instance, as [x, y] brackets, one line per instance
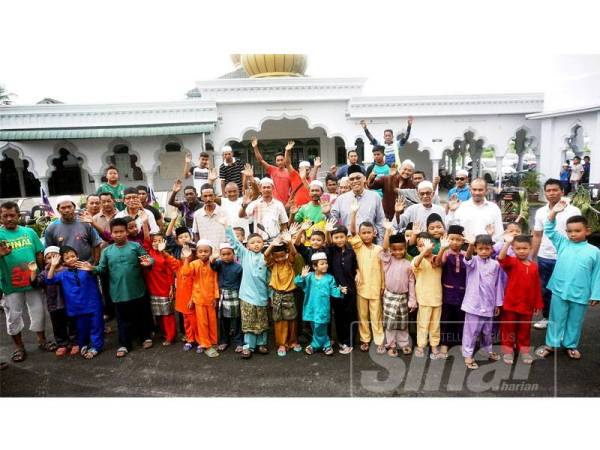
[463, 194]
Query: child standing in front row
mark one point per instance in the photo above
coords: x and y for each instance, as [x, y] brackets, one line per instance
[574, 284]
[399, 295]
[369, 283]
[82, 300]
[522, 297]
[318, 287]
[429, 297]
[254, 291]
[483, 298]
[205, 297]
[230, 277]
[279, 257]
[184, 283]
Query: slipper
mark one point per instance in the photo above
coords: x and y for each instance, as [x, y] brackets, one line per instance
[47, 346]
[392, 352]
[61, 352]
[263, 350]
[19, 355]
[574, 353]
[74, 350]
[187, 347]
[419, 352]
[122, 352]
[246, 353]
[493, 356]
[328, 351]
[471, 365]
[309, 350]
[508, 358]
[380, 349]
[406, 350]
[297, 348]
[211, 352]
[166, 343]
[543, 351]
[364, 347]
[281, 353]
[199, 350]
[90, 353]
[435, 355]
[527, 358]
[222, 347]
[239, 349]
[147, 344]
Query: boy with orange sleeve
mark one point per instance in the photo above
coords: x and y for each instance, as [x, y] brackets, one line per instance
[205, 297]
[183, 294]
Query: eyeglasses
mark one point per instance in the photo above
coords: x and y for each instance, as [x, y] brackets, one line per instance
[460, 178]
[426, 193]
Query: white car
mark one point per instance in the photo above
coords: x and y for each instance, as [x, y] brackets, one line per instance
[488, 168]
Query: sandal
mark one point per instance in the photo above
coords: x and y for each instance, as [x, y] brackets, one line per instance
[211, 352]
[147, 344]
[246, 353]
[239, 349]
[222, 347]
[493, 356]
[543, 351]
[364, 347]
[187, 347]
[574, 353]
[471, 365]
[392, 352]
[61, 352]
[90, 353]
[508, 358]
[74, 350]
[527, 358]
[263, 350]
[297, 348]
[328, 351]
[309, 350]
[47, 346]
[19, 355]
[122, 352]
[435, 355]
[281, 351]
[380, 349]
[419, 352]
[166, 343]
[406, 350]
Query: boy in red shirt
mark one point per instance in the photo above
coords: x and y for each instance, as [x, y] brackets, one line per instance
[160, 281]
[522, 298]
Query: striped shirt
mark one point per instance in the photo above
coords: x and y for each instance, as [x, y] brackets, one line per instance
[232, 173]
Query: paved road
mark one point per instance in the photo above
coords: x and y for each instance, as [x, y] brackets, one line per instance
[167, 371]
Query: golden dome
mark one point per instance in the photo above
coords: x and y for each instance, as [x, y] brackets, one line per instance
[274, 65]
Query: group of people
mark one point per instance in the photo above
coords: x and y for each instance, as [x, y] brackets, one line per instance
[574, 174]
[306, 258]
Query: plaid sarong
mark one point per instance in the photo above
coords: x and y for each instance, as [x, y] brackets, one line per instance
[395, 311]
[230, 303]
[254, 318]
[162, 306]
[284, 306]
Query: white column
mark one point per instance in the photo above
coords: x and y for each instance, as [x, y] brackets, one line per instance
[499, 173]
[595, 152]
[550, 157]
[435, 167]
[149, 178]
[44, 184]
[97, 180]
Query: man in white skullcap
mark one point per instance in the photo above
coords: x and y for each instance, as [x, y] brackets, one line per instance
[313, 211]
[268, 214]
[419, 212]
[70, 231]
[462, 189]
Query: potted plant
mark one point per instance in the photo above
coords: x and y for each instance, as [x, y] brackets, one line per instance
[531, 183]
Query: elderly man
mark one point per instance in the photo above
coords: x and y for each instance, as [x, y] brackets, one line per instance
[370, 208]
[231, 169]
[189, 206]
[92, 204]
[74, 233]
[231, 204]
[133, 207]
[419, 212]
[207, 223]
[477, 213]
[268, 213]
[352, 159]
[390, 184]
[461, 190]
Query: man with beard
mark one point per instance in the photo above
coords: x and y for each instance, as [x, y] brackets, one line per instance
[189, 206]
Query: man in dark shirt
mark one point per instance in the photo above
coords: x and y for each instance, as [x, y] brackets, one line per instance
[189, 206]
[144, 193]
[231, 169]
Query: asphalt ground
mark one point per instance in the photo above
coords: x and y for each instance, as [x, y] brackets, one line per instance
[170, 372]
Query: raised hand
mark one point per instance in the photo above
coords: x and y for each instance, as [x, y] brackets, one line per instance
[186, 252]
[212, 175]
[470, 239]
[354, 206]
[490, 229]
[344, 289]
[4, 248]
[247, 196]
[453, 202]
[560, 206]
[444, 242]
[285, 237]
[188, 158]
[330, 224]
[293, 207]
[55, 260]
[254, 141]
[143, 215]
[400, 204]
[317, 162]
[305, 271]
[410, 120]
[294, 228]
[508, 238]
[144, 261]
[32, 266]
[393, 170]
[417, 227]
[306, 225]
[363, 124]
[427, 246]
[290, 145]
[84, 265]
[161, 246]
[387, 225]
[248, 171]
[177, 186]
[174, 214]
[85, 217]
[325, 207]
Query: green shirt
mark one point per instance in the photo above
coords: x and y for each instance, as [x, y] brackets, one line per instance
[14, 273]
[310, 212]
[126, 280]
[116, 191]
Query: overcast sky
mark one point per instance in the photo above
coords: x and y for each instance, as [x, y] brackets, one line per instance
[119, 51]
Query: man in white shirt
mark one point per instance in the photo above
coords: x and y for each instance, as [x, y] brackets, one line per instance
[268, 213]
[231, 204]
[133, 206]
[476, 214]
[420, 211]
[542, 248]
[207, 224]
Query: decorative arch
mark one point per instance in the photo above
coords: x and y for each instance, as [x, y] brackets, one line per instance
[135, 171]
[17, 180]
[67, 170]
